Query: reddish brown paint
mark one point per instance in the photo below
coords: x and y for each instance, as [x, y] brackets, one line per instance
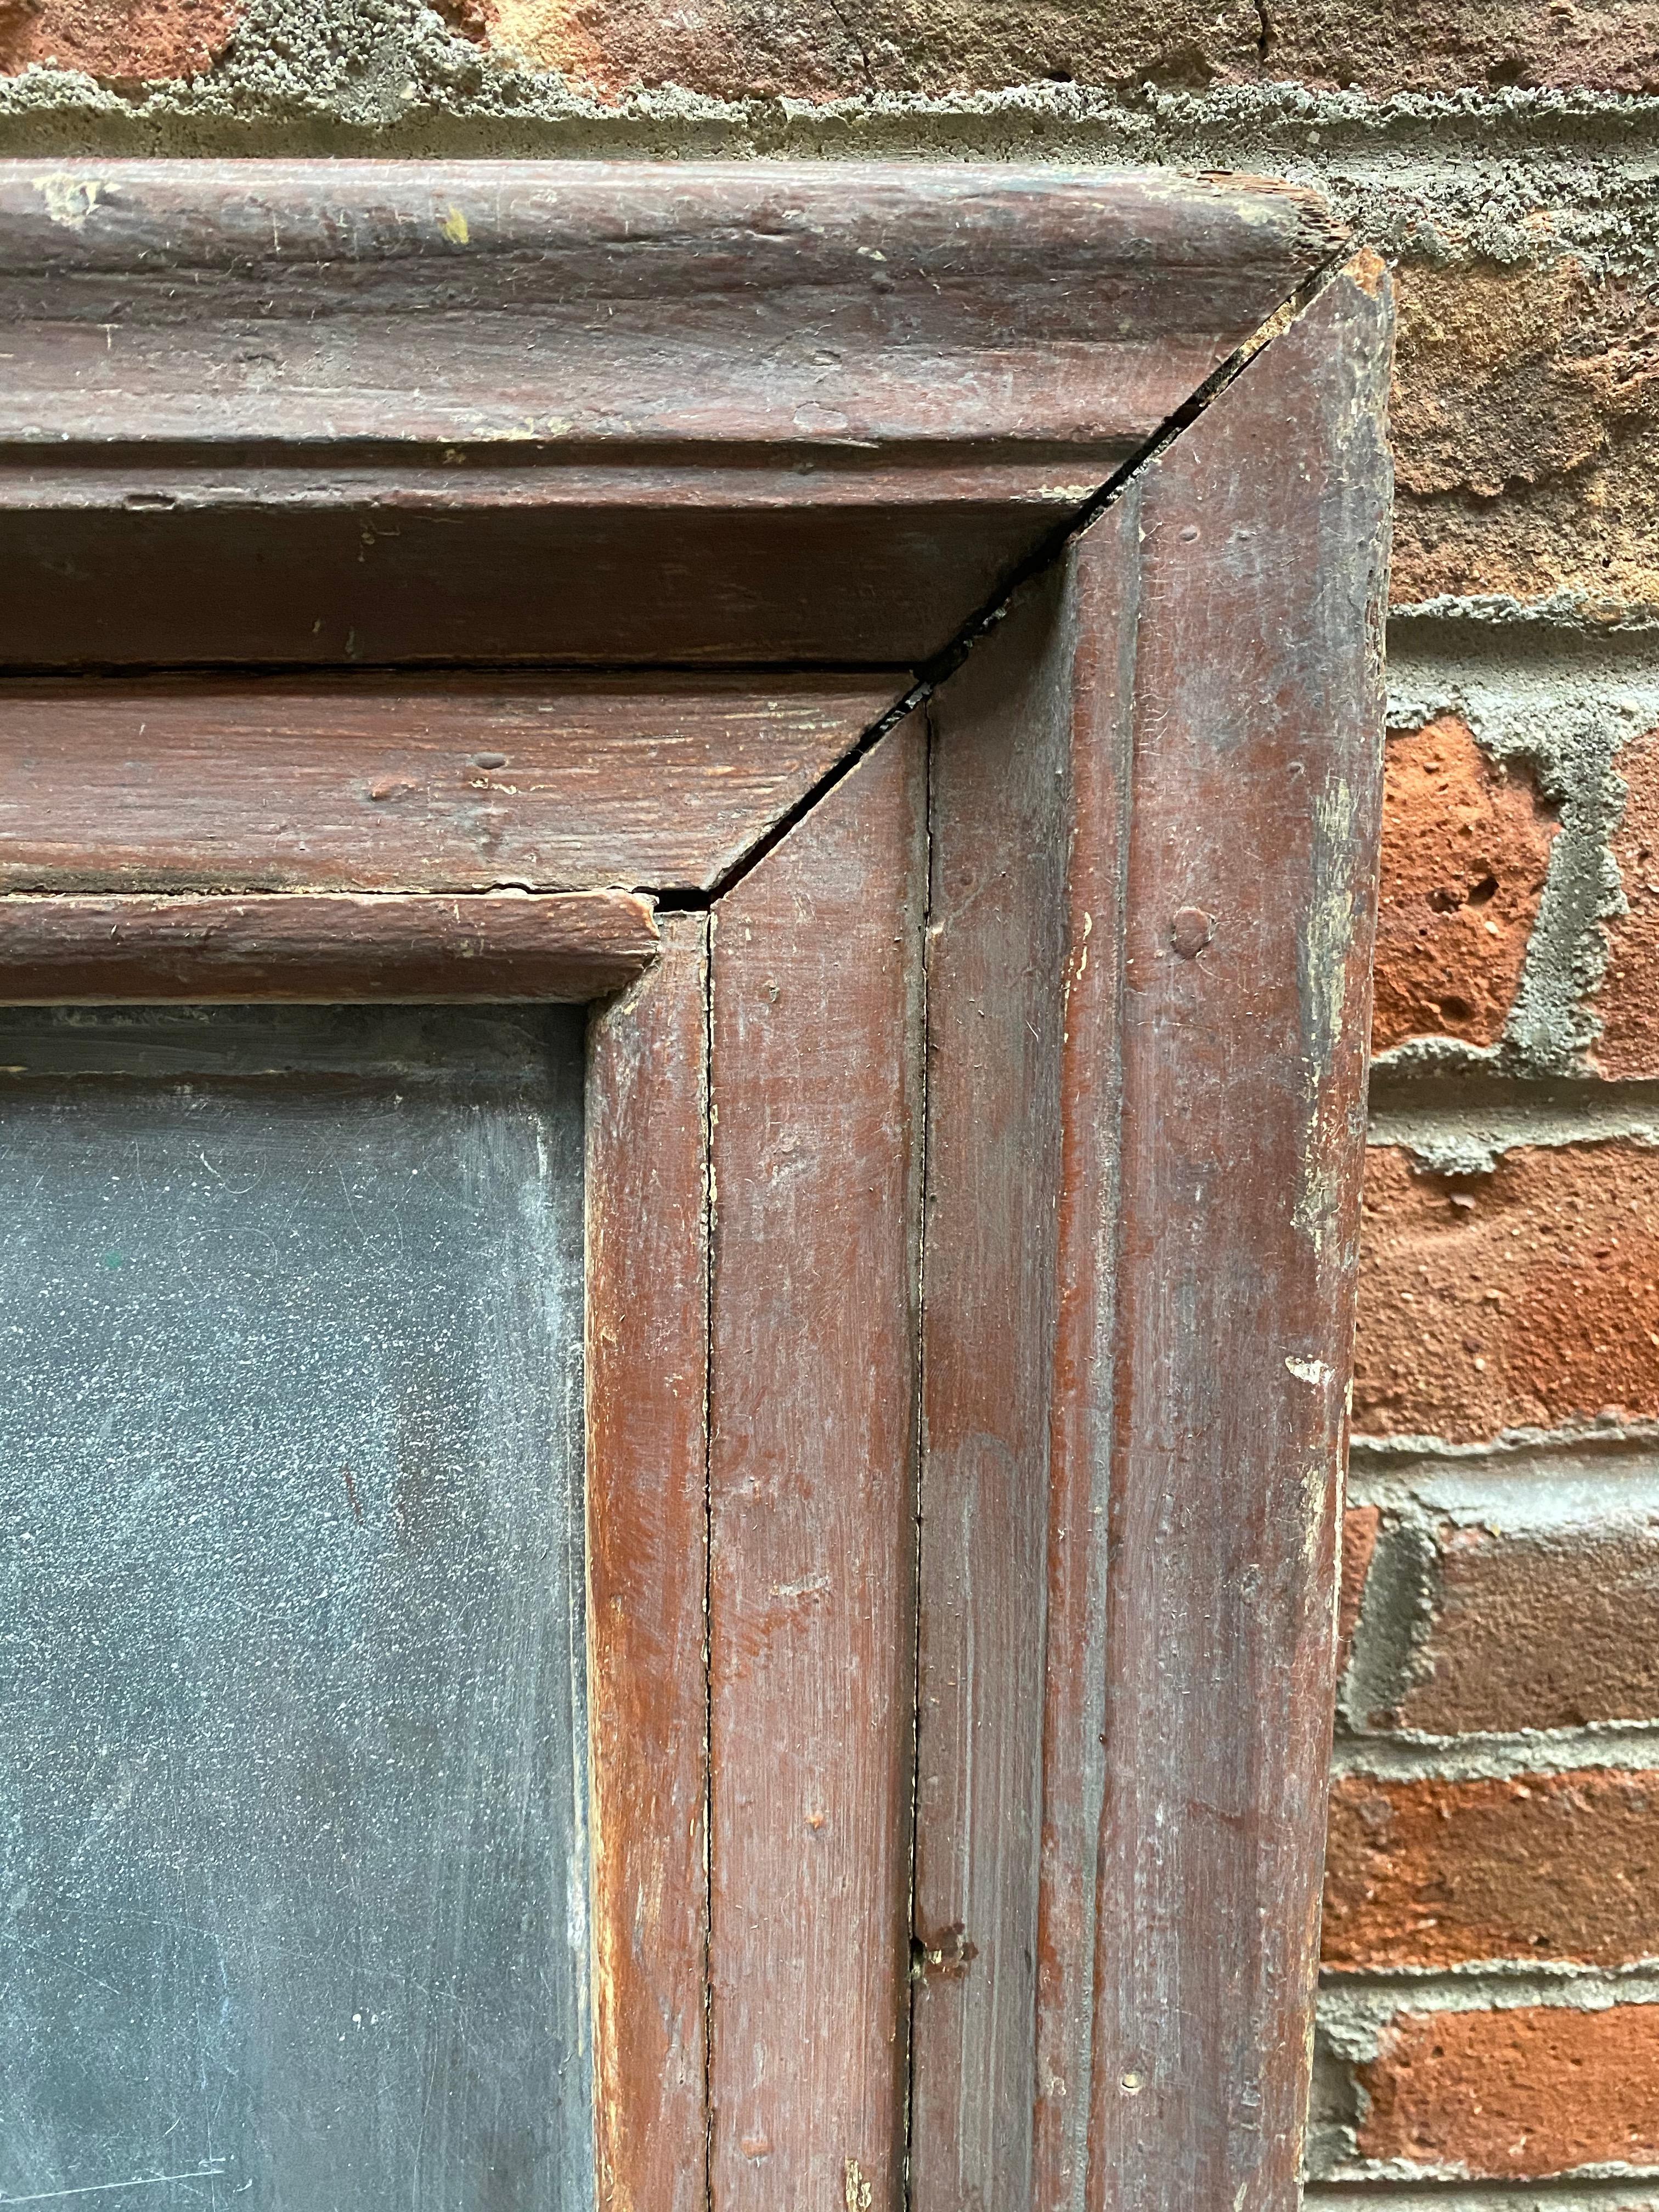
[816, 1071]
[587, 412]
[316, 948]
[710, 521]
[648, 1555]
[410, 783]
[1159, 1016]
[1255, 705]
[999, 825]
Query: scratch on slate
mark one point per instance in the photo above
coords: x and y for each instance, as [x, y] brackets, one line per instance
[214, 2172]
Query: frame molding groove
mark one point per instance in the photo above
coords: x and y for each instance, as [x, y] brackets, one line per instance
[585, 411]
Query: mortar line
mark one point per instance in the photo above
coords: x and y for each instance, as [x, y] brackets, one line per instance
[1606, 1747]
[1515, 1451]
[1462, 2196]
[1374, 1998]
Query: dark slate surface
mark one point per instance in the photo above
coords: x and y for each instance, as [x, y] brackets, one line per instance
[293, 1858]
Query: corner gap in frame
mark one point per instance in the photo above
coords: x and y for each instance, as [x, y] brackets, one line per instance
[674, 899]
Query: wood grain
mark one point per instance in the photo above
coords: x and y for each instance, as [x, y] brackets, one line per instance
[313, 412]
[321, 948]
[815, 1063]
[647, 1561]
[1093, 635]
[468, 304]
[408, 783]
[1000, 1039]
[1203, 683]
[1259, 716]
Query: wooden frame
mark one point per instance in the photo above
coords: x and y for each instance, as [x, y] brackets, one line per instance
[972, 1155]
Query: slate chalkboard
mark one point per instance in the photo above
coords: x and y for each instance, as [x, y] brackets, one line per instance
[292, 1852]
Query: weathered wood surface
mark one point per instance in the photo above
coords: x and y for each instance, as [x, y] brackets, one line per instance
[647, 1567]
[409, 783]
[293, 1811]
[1206, 679]
[470, 303]
[816, 1064]
[1093, 635]
[1002, 836]
[318, 948]
[605, 412]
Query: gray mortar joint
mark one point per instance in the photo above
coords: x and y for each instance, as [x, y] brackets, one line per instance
[1396, 1614]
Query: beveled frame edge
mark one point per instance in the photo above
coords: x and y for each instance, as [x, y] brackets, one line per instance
[1124, 714]
[870, 291]
[317, 948]
[1165, 977]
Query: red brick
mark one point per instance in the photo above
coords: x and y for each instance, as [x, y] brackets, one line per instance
[1539, 1628]
[1360, 1524]
[1466, 848]
[1516, 2094]
[129, 41]
[1529, 1297]
[1432, 1873]
[1628, 1003]
[1524, 410]
[825, 48]
[831, 49]
[1416, 46]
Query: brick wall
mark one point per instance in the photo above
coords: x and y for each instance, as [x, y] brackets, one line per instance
[1490, 2029]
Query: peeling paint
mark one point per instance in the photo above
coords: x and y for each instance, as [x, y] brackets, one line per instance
[69, 200]
[1326, 949]
[1311, 1370]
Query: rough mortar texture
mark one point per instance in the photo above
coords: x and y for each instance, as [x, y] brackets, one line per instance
[828, 50]
[1466, 850]
[1526, 1297]
[1428, 1874]
[811, 51]
[1360, 1524]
